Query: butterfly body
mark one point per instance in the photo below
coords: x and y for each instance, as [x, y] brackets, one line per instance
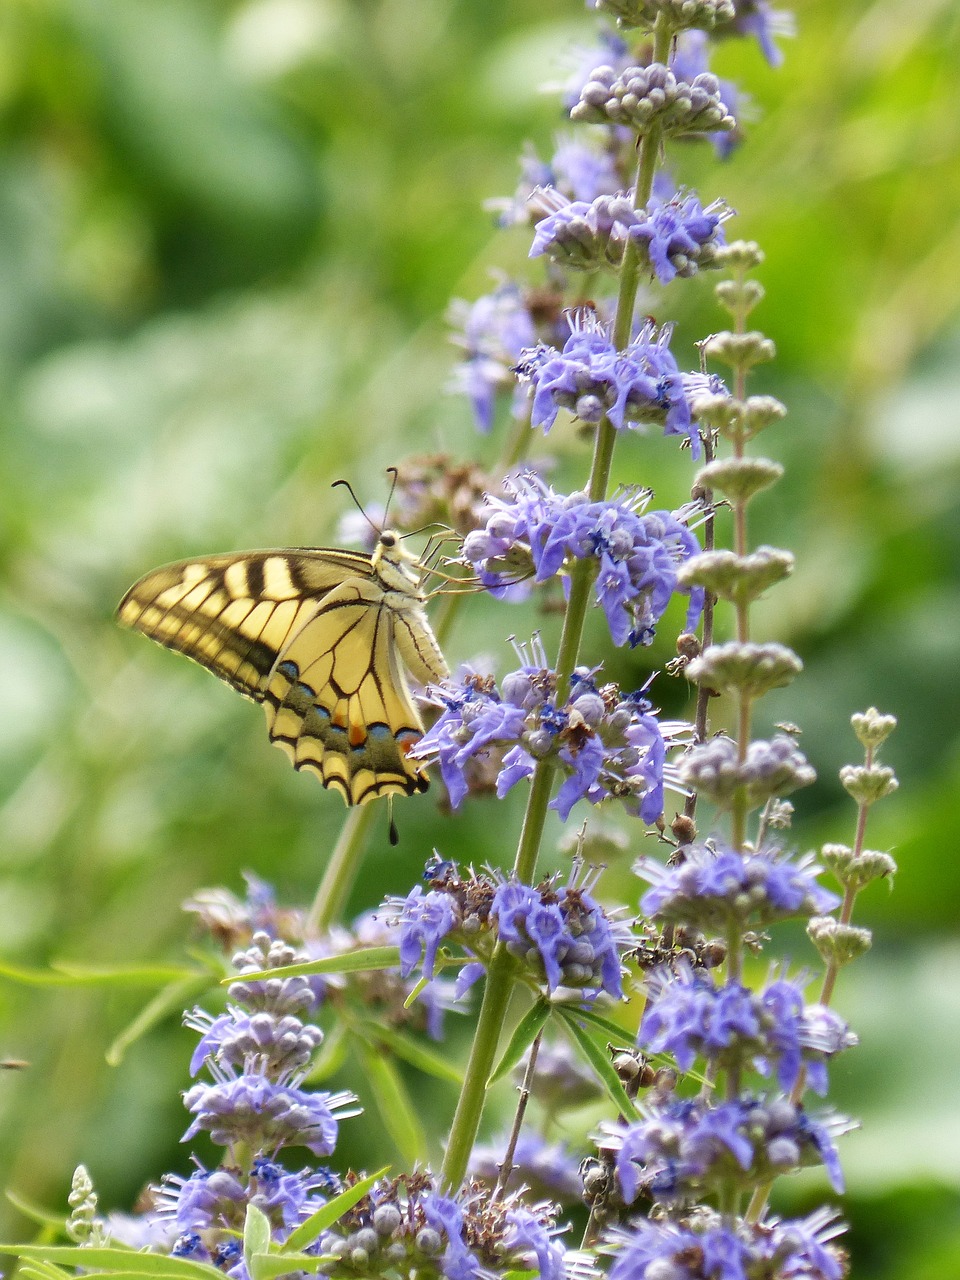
[322, 638]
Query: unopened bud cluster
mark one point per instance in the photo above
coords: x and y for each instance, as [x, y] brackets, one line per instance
[644, 97]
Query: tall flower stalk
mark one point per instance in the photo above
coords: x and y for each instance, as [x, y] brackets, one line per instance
[708, 1069]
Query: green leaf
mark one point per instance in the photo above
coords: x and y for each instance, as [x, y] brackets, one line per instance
[175, 996]
[620, 1035]
[597, 1059]
[41, 1271]
[37, 1213]
[256, 1239]
[411, 1050]
[331, 1212]
[364, 961]
[524, 1034]
[264, 1266]
[394, 1104]
[113, 1260]
[147, 975]
[420, 986]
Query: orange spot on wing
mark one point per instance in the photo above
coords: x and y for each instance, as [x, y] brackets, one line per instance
[356, 735]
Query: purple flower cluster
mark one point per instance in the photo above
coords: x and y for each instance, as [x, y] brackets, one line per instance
[714, 887]
[690, 59]
[568, 932]
[406, 1227]
[266, 1114]
[562, 935]
[218, 1199]
[683, 1148]
[593, 379]
[637, 552]
[677, 235]
[608, 744]
[689, 1016]
[257, 1053]
[494, 332]
[577, 170]
[712, 1249]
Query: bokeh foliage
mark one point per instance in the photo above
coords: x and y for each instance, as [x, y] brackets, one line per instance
[228, 233]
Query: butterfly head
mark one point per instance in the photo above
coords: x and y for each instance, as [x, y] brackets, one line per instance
[393, 563]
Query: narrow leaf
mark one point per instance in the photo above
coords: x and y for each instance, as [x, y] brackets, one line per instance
[412, 1051]
[114, 1259]
[256, 1238]
[597, 1059]
[101, 975]
[396, 1108]
[37, 1213]
[363, 961]
[331, 1212]
[618, 1034]
[265, 1266]
[524, 1034]
[175, 996]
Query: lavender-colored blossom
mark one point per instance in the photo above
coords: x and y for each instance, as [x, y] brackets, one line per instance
[219, 1199]
[265, 1114]
[608, 746]
[715, 1250]
[446, 1216]
[715, 886]
[494, 331]
[425, 920]
[684, 1147]
[253, 1041]
[689, 1016]
[527, 1235]
[592, 379]
[638, 552]
[691, 58]
[676, 232]
[568, 932]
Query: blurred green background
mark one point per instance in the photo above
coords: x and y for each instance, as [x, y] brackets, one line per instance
[228, 236]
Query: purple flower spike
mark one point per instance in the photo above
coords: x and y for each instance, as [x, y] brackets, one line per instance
[592, 379]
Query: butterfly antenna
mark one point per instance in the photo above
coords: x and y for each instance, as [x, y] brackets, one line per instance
[349, 488]
[391, 471]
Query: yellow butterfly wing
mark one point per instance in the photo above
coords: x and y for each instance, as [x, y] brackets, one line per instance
[337, 701]
[312, 635]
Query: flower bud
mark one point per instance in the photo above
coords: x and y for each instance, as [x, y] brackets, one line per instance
[747, 668]
[739, 350]
[872, 728]
[838, 943]
[866, 784]
[739, 479]
[739, 579]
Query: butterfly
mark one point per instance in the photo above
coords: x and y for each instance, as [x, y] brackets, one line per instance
[322, 638]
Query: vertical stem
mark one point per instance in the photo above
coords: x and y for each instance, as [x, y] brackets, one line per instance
[466, 1120]
[506, 1167]
[496, 996]
[341, 872]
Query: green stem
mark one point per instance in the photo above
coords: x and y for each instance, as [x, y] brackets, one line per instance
[341, 872]
[496, 996]
[466, 1120]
